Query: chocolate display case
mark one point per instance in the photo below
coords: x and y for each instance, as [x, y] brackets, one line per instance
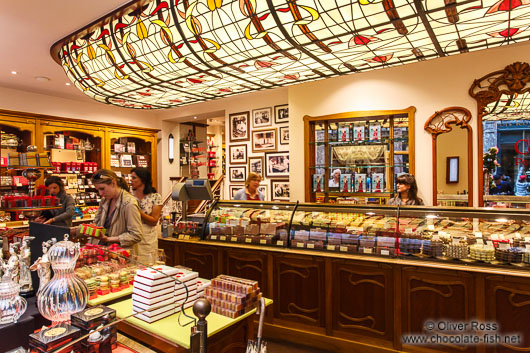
[260, 223]
[492, 237]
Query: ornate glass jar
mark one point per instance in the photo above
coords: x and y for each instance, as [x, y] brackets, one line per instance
[12, 305]
[66, 293]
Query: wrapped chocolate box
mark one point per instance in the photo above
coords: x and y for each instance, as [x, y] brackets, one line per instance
[91, 318]
[52, 338]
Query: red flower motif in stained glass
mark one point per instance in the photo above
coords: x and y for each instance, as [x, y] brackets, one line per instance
[380, 58]
[508, 32]
[194, 80]
[292, 77]
[361, 40]
[259, 64]
[507, 5]
[225, 90]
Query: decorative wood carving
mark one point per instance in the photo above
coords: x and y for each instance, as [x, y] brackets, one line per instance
[248, 264]
[508, 304]
[513, 79]
[299, 288]
[201, 259]
[435, 294]
[440, 123]
[362, 299]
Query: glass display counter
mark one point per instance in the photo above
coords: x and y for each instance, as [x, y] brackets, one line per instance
[493, 237]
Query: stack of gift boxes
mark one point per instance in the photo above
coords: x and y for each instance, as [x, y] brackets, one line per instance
[232, 296]
[201, 285]
[162, 291]
[92, 230]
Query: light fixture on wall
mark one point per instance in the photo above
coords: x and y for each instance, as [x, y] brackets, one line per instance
[159, 54]
[171, 148]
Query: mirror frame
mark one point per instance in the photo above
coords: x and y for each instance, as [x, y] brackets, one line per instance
[440, 123]
[513, 79]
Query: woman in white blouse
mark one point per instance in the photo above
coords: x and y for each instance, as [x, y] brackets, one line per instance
[150, 209]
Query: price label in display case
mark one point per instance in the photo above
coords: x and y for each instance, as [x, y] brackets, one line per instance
[248, 240]
[279, 243]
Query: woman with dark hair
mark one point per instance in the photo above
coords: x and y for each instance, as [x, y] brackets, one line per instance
[118, 212]
[61, 216]
[150, 208]
[407, 191]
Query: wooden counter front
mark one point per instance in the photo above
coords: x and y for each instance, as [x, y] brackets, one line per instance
[355, 303]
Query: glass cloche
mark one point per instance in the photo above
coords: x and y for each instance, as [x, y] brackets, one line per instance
[65, 294]
[12, 305]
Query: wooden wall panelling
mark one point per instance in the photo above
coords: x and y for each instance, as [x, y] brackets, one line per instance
[362, 301]
[248, 264]
[508, 304]
[202, 259]
[429, 294]
[169, 249]
[299, 290]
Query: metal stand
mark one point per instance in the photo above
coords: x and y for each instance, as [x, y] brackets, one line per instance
[199, 332]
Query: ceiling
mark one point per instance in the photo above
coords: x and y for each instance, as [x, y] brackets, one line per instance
[29, 28]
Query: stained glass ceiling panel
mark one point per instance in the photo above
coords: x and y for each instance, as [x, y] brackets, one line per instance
[162, 54]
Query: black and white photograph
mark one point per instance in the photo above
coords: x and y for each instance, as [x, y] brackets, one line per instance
[255, 165]
[284, 135]
[238, 174]
[277, 164]
[264, 140]
[233, 189]
[238, 154]
[280, 190]
[239, 126]
[262, 117]
[264, 189]
[281, 114]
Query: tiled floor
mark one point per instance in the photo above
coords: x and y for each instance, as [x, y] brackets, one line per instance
[272, 347]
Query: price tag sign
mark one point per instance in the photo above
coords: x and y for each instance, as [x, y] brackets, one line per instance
[186, 237]
[518, 235]
[343, 248]
[331, 247]
[222, 237]
[527, 239]
[3, 225]
[408, 230]
[279, 243]
[248, 240]
[310, 246]
[213, 237]
[489, 243]
[263, 241]
[385, 252]
[25, 223]
[300, 245]
[501, 236]
[181, 237]
[478, 234]
[430, 227]
[494, 237]
[234, 239]
[367, 250]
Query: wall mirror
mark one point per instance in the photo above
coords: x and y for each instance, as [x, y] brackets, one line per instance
[503, 136]
[452, 156]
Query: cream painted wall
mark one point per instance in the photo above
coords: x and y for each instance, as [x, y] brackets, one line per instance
[11, 99]
[452, 144]
[429, 86]
[166, 169]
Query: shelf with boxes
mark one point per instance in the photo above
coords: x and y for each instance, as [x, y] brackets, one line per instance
[130, 152]
[356, 157]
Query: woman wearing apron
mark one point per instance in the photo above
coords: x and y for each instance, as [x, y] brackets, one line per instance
[150, 209]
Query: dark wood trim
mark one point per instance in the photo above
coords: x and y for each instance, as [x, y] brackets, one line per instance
[73, 120]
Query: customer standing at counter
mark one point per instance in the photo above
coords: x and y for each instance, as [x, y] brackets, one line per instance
[62, 216]
[407, 191]
[150, 203]
[250, 192]
[118, 212]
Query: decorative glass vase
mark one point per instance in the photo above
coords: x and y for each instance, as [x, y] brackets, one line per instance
[12, 305]
[65, 294]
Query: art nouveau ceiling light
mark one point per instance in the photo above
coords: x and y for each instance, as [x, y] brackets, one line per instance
[160, 54]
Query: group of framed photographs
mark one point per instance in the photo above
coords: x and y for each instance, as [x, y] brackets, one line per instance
[257, 128]
[273, 165]
[240, 127]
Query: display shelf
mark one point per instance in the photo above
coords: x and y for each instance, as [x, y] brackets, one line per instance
[102, 299]
[382, 142]
[360, 166]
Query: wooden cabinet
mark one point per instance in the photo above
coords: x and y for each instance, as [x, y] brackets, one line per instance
[343, 303]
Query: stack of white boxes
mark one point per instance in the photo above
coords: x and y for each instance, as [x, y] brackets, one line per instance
[156, 290]
[201, 284]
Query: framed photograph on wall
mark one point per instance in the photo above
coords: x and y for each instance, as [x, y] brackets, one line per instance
[233, 189]
[255, 165]
[264, 140]
[264, 189]
[238, 174]
[452, 170]
[239, 125]
[262, 117]
[238, 154]
[281, 114]
[280, 190]
[284, 135]
[277, 164]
